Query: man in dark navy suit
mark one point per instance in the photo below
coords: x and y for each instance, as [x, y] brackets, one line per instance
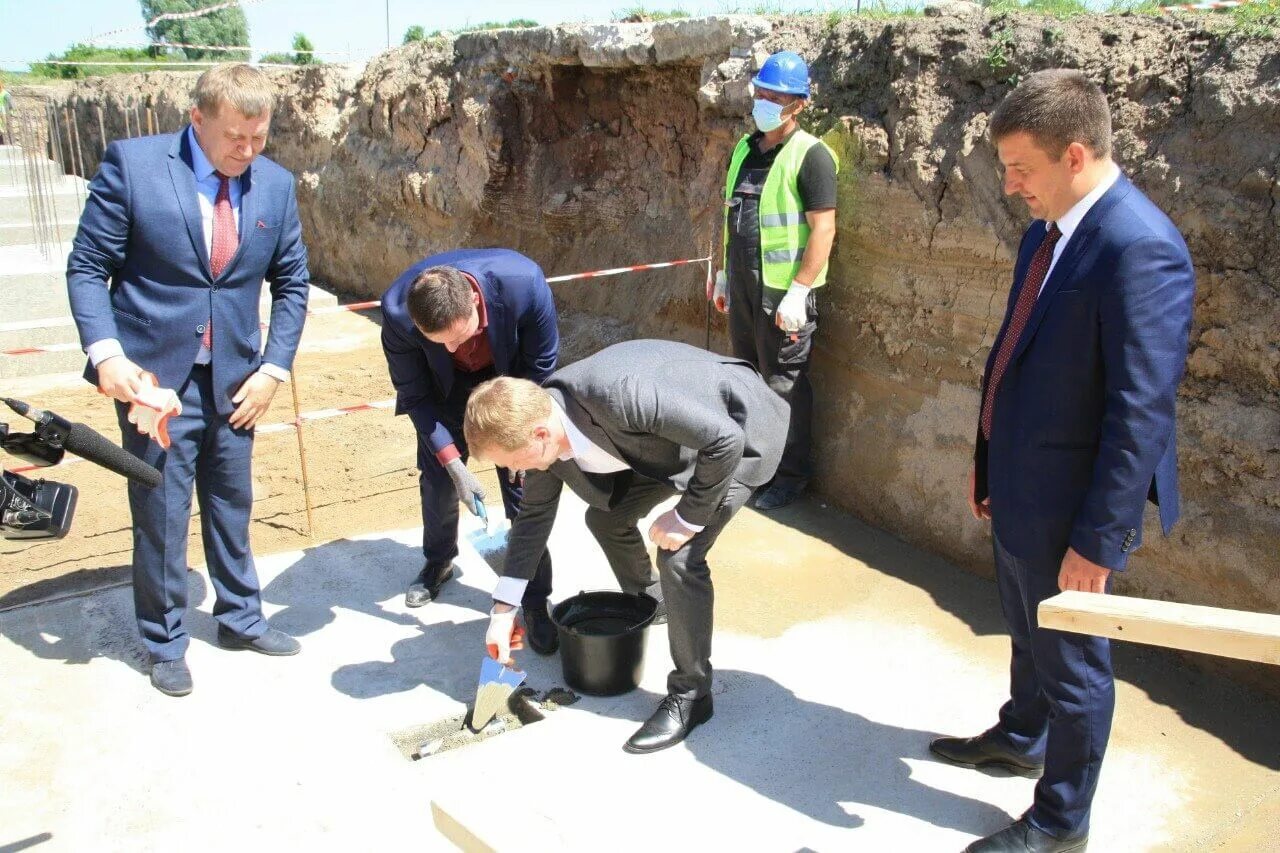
[451, 322]
[164, 278]
[1075, 434]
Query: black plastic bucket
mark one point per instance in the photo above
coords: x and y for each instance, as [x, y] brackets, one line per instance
[602, 640]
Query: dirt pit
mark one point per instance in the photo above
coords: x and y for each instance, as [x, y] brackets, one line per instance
[361, 467]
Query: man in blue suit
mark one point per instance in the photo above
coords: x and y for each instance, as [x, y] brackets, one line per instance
[451, 322]
[1076, 433]
[164, 278]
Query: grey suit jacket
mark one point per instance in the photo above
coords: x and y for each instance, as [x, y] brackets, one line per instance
[676, 414]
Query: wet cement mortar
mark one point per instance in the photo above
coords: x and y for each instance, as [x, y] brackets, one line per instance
[591, 146]
[526, 706]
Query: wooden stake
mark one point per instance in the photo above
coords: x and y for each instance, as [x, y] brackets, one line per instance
[302, 449]
[102, 131]
[150, 124]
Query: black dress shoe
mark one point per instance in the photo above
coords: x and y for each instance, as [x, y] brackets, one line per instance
[986, 750]
[670, 724]
[540, 631]
[171, 677]
[275, 642]
[776, 497]
[426, 586]
[1022, 837]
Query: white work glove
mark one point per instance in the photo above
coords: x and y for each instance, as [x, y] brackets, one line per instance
[467, 485]
[151, 409]
[793, 310]
[720, 295]
[503, 636]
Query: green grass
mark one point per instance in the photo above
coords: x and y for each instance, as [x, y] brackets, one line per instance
[641, 13]
[513, 24]
[1053, 8]
[1260, 19]
[1136, 7]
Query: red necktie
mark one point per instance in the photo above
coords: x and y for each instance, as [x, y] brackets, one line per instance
[1031, 285]
[225, 242]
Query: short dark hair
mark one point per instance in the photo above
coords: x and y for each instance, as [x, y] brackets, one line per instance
[438, 298]
[1056, 107]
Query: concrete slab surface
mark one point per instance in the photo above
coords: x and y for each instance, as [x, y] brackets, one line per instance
[839, 651]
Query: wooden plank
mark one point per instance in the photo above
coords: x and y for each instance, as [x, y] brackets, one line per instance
[1190, 627]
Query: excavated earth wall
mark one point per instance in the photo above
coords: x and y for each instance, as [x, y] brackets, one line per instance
[598, 146]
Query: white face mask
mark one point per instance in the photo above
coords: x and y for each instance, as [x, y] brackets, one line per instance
[767, 115]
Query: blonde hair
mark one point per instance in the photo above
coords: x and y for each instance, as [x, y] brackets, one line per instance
[243, 87]
[502, 413]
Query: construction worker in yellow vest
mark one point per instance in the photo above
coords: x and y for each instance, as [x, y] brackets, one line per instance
[780, 221]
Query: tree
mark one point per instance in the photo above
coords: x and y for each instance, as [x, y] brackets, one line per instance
[276, 59]
[226, 27]
[414, 33]
[303, 50]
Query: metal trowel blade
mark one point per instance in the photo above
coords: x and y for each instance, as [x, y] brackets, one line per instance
[496, 685]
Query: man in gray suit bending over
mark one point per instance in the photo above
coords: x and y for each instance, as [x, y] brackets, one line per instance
[625, 429]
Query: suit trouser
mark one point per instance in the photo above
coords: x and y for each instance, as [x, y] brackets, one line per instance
[684, 573]
[207, 451]
[781, 357]
[440, 498]
[1062, 696]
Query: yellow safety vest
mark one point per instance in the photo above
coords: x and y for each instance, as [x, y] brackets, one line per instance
[784, 231]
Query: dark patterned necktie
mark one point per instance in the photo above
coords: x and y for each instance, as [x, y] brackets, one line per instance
[1036, 273]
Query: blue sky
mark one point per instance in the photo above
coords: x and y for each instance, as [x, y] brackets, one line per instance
[31, 29]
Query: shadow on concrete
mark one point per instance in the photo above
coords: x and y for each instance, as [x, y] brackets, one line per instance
[816, 759]
[346, 574]
[26, 843]
[84, 627]
[1242, 717]
[359, 576]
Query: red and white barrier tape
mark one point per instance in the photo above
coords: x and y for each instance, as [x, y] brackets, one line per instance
[269, 429]
[25, 325]
[174, 16]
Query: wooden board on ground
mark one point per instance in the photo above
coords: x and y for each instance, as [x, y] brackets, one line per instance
[1193, 628]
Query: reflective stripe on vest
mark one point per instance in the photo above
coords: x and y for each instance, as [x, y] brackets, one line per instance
[784, 231]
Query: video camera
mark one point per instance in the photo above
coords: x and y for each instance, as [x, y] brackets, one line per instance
[43, 509]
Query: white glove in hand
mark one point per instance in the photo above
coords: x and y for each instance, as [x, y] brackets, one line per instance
[720, 296]
[151, 409]
[470, 492]
[498, 639]
[793, 310]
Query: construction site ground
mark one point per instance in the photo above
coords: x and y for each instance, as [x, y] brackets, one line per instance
[840, 652]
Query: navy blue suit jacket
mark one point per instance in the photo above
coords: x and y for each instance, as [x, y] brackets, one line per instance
[1083, 425]
[141, 232]
[522, 331]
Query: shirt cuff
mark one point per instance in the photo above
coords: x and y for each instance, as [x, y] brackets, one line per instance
[696, 528]
[510, 591]
[100, 351]
[447, 454]
[275, 371]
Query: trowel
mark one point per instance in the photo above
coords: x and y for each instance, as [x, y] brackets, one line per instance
[497, 682]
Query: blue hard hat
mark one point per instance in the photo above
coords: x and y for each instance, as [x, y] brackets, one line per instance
[783, 72]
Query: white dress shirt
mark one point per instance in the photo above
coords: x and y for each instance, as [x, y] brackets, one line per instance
[207, 185]
[592, 459]
[1070, 221]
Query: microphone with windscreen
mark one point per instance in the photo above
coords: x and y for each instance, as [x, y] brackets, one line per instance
[57, 434]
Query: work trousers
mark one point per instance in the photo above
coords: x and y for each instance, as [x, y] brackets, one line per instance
[207, 451]
[781, 357]
[1062, 697]
[440, 498]
[684, 574]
